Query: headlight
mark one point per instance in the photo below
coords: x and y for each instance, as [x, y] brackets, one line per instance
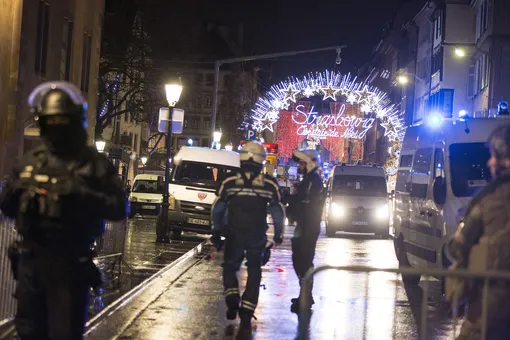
[382, 212]
[133, 199]
[171, 202]
[337, 210]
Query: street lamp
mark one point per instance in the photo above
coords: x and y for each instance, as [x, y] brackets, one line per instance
[100, 144]
[190, 142]
[144, 160]
[460, 52]
[403, 80]
[217, 139]
[173, 92]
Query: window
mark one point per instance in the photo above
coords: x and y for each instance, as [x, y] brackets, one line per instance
[206, 175]
[126, 116]
[209, 78]
[482, 72]
[148, 186]
[437, 63]
[85, 63]
[385, 74]
[43, 26]
[420, 173]
[360, 186]
[468, 166]
[135, 143]
[207, 101]
[185, 123]
[438, 26]
[199, 78]
[442, 101]
[207, 123]
[482, 17]
[406, 161]
[195, 123]
[66, 49]
[404, 174]
[471, 91]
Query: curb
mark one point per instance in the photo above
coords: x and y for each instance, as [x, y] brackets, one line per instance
[192, 256]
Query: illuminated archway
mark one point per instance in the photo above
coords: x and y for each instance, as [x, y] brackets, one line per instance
[368, 103]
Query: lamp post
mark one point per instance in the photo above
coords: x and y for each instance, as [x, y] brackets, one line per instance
[100, 144]
[173, 93]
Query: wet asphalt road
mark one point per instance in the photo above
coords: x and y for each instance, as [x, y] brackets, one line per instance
[348, 305]
[143, 258]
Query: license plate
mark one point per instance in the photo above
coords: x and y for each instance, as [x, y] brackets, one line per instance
[359, 222]
[148, 207]
[197, 221]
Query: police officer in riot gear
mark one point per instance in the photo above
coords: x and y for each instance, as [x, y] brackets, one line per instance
[247, 197]
[60, 194]
[305, 208]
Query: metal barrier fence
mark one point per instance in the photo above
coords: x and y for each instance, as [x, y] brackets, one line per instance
[110, 245]
[8, 235]
[486, 279]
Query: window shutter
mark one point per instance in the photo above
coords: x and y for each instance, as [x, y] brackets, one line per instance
[471, 81]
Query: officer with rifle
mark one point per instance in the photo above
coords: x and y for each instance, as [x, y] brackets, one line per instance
[60, 194]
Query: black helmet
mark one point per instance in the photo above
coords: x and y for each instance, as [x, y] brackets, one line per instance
[58, 98]
[500, 142]
[61, 112]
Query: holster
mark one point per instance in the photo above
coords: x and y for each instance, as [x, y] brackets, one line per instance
[14, 254]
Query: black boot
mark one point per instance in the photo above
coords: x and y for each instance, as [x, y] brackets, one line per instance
[245, 316]
[232, 306]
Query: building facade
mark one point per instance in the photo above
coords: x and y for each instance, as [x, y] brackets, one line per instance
[48, 40]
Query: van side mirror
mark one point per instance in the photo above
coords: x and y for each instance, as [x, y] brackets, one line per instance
[439, 190]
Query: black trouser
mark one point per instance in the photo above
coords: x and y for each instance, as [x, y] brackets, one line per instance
[303, 248]
[236, 249]
[53, 298]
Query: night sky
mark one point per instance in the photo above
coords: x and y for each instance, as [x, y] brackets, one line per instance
[284, 25]
[272, 26]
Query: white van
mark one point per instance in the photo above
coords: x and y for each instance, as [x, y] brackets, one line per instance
[197, 175]
[441, 168]
[357, 200]
[146, 195]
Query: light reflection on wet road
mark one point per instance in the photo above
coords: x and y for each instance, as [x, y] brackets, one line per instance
[348, 305]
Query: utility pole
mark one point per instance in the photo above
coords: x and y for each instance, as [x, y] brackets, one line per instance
[218, 64]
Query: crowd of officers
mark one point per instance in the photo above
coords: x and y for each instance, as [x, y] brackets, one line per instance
[62, 192]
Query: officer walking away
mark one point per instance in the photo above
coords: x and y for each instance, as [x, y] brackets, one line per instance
[59, 194]
[482, 243]
[246, 197]
[305, 208]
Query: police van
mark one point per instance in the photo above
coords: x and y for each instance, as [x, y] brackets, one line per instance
[443, 164]
[146, 195]
[196, 177]
[357, 200]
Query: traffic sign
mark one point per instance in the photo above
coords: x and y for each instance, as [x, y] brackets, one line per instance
[251, 135]
[177, 120]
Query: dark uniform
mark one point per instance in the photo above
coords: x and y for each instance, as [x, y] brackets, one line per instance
[305, 208]
[59, 195]
[247, 198]
[482, 243]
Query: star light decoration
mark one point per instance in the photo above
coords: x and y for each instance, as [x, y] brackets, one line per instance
[334, 86]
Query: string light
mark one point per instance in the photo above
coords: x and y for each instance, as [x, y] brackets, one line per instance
[334, 86]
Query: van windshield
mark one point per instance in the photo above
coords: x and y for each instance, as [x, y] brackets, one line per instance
[359, 185]
[145, 186]
[201, 174]
[468, 167]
